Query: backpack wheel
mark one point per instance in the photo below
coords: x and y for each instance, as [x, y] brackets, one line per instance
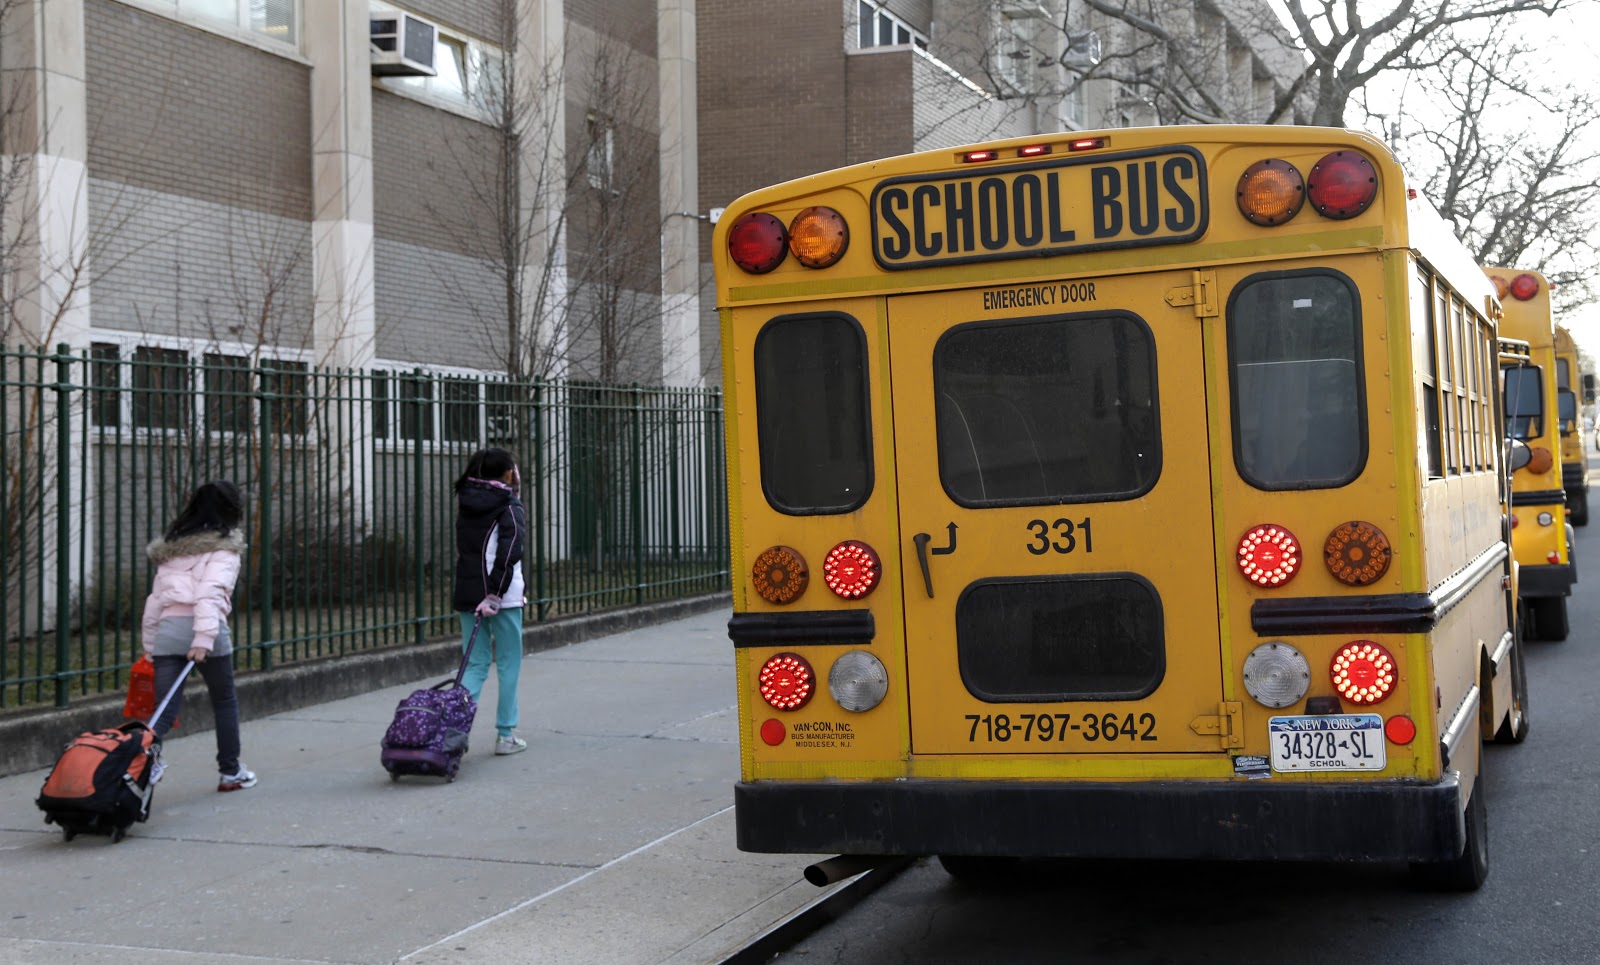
[67, 834]
[394, 777]
[118, 835]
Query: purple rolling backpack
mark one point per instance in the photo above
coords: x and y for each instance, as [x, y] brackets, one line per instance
[429, 732]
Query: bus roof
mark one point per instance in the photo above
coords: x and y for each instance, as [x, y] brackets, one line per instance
[1211, 157]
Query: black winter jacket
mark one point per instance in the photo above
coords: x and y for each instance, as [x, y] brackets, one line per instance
[490, 529]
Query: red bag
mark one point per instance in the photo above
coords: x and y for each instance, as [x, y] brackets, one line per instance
[141, 702]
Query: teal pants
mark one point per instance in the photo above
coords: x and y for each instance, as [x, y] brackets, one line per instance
[501, 637]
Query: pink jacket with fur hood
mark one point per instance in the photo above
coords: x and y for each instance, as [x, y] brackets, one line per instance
[194, 577]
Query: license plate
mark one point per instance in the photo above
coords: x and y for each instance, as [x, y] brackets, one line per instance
[1334, 742]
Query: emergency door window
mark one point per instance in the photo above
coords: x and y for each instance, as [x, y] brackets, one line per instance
[811, 414]
[1043, 411]
[1057, 639]
[1299, 410]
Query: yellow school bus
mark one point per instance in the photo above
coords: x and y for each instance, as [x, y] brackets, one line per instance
[1541, 539]
[1124, 494]
[1569, 416]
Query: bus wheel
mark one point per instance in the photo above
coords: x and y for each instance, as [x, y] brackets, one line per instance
[1550, 617]
[1578, 510]
[1466, 871]
[978, 869]
[1514, 729]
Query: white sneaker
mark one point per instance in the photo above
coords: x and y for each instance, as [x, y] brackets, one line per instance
[157, 769]
[510, 745]
[233, 782]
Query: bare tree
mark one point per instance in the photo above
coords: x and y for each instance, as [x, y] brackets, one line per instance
[1528, 200]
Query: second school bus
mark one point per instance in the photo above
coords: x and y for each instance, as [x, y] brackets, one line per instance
[1574, 441]
[1541, 539]
[1134, 493]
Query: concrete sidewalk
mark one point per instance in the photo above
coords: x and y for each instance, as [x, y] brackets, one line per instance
[610, 840]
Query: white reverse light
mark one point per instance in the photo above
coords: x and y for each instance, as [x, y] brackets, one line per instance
[1276, 674]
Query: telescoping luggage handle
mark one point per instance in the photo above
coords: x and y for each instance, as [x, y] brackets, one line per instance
[170, 692]
[465, 653]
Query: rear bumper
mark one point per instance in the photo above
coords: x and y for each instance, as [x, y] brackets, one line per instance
[1545, 579]
[1244, 820]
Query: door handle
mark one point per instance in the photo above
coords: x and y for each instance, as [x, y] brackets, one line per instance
[922, 540]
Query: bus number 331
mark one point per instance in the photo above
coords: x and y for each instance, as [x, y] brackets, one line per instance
[1060, 536]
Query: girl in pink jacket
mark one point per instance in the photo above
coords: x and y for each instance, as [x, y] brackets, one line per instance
[186, 615]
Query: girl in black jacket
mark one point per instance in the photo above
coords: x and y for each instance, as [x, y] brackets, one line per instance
[490, 530]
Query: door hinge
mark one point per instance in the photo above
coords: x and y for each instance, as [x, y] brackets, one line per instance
[1227, 724]
[1202, 295]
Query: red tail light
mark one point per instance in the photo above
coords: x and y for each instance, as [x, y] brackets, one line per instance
[1269, 555]
[787, 682]
[757, 242]
[1342, 185]
[1363, 672]
[851, 569]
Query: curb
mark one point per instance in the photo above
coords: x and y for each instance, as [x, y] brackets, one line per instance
[32, 739]
[816, 915]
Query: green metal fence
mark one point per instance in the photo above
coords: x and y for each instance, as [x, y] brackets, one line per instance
[350, 517]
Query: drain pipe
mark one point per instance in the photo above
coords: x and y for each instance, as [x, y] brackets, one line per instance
[844, 866]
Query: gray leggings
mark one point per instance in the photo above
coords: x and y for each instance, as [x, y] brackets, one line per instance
[218, 674]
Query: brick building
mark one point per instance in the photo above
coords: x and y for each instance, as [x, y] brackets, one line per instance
[243, 178]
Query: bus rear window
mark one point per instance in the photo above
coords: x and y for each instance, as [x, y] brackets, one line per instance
[1045, 411]
[1299, 409]
[811, 414]
[1061, 638]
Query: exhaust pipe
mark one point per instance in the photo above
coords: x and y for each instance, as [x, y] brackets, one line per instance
[843, 866]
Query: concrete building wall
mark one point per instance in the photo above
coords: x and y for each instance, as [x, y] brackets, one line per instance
[200, 182]
[479, 18]
[881, 104]
[771, 105]
[180, 110]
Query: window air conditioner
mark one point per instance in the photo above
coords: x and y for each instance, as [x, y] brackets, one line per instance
[402, 46]
[1083, 49]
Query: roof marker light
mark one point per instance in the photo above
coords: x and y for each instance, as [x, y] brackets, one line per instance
[972, 157]
[1086, 144]
[1033, 150]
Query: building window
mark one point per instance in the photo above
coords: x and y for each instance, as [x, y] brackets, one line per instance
[878, 27]
[276, 19]
[106, 379]
[601, 158]
[161, 398]
[227, 393]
